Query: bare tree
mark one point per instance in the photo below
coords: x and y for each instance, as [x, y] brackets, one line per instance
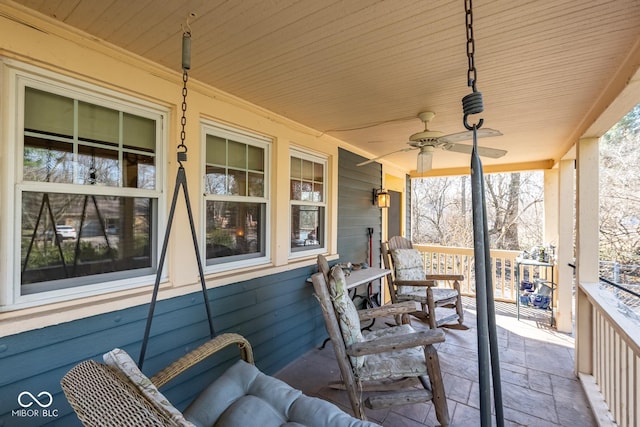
[514, 205]
[619, 191]
[431, 202]
[442, 210]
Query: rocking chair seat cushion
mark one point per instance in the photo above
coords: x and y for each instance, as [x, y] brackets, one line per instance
[399, 364]
[420, 294]
[244, 396]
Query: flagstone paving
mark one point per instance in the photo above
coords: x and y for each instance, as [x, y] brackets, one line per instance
[536, 369]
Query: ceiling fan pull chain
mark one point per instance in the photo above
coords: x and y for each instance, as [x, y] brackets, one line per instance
[472, 103]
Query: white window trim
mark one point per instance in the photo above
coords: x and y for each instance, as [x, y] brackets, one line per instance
[210, 127]
[14, 76]
[317, 158]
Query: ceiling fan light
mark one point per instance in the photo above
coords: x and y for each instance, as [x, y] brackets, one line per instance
[424, 161]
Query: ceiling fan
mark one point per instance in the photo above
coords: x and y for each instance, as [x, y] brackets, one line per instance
[427, 141]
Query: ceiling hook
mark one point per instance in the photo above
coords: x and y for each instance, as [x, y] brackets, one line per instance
[190, 15]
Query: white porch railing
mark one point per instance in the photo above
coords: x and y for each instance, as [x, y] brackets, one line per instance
[450, 260]
[613, 355]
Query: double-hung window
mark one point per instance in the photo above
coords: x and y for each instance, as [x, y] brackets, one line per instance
[87, 188]
[236, 193]
[308, 200]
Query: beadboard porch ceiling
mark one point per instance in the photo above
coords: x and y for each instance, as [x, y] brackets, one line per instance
[362, 70]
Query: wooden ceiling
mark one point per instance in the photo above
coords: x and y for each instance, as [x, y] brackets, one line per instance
[361, 70]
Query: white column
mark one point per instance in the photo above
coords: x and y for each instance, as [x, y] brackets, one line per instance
[550, 228]
[587, 238]
[564, 251]
[551, 223]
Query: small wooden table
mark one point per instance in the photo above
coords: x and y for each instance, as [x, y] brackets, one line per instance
[365, 275]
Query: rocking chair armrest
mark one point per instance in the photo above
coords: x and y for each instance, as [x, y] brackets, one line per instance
[444, 277]
[399, 342]
[405, 307]
[423, 283]
[201, 353]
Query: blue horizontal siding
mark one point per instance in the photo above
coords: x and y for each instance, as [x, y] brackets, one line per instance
[277, 314]
[356, 211]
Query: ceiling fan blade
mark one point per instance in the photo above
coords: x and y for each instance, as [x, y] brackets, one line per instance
[463, 136]
[366, 162]
[493, 153]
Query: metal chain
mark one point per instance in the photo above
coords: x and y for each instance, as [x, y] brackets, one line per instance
[472, 103]
[182, 148]
[471, 46]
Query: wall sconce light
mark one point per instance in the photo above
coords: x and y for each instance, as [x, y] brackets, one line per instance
[381, 198]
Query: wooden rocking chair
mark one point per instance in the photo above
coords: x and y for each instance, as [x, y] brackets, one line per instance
[408, 282]
[388, 360]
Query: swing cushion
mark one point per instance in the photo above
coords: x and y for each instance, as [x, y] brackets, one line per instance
[120, 360]
[241, 396]
[244, 396]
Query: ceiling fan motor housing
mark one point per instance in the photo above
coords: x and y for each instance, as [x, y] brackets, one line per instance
[426, 137]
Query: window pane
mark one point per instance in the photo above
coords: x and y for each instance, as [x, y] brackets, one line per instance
[307, 170]
[237, 183]
[138, 133]
[296, 190]
[98, 124]
[139, 171]
[318, 172]
[296, 168]
[318, 191]
[307, 191]
[256, 184]
[256, 158]
[98, 166]
[237, 155]
[215, 180]
[216, 150]
[48, 113]
[47, 161]
[234, 230]
[71, 240]
[307, 227]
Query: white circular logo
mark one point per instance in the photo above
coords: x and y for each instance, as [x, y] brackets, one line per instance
[23, 399]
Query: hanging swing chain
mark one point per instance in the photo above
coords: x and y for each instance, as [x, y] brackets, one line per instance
[472, 103]
[471, 47]
[182, 148]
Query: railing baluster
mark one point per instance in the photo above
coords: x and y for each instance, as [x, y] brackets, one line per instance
[616, 359]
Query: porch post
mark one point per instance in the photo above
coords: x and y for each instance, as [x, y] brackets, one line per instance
[587, 257]
[564, 251]
[551, 225]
